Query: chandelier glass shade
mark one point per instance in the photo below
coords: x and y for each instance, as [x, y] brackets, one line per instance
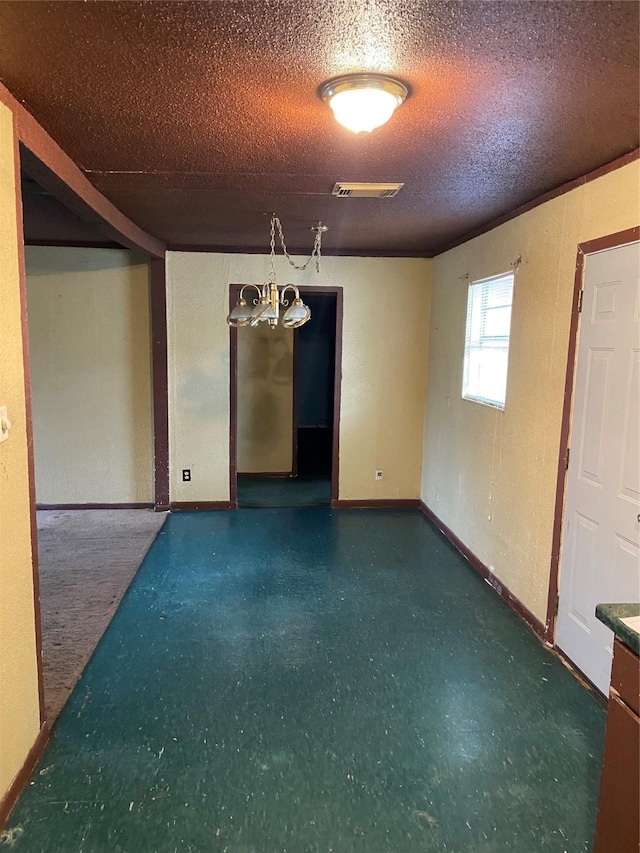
[266, 308]
[362, 102]
[269, 300]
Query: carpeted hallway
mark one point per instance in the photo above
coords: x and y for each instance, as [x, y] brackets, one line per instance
[310, 680]
[87, 559]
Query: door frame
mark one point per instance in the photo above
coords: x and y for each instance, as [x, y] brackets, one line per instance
[234, 290]
[294, 404]
[610, 241]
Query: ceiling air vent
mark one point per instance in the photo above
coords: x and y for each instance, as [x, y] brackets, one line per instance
[345, 190]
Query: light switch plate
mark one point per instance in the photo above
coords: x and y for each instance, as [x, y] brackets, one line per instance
[5, 424]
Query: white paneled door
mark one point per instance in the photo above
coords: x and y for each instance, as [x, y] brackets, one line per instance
[599, 558]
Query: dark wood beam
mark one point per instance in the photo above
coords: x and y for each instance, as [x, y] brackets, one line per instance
[45, 162]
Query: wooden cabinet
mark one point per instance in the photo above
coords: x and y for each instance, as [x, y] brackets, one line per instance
[618, 825]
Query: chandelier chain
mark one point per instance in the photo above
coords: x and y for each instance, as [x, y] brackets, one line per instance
[275, 223]
[272, 259]
[270, 298]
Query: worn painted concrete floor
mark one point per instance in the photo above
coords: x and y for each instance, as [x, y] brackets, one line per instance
[283, 491]
[315, 681]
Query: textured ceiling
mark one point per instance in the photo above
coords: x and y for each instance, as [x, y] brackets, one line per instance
[198, 118]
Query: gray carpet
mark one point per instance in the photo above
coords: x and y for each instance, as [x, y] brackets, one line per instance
[87, 559]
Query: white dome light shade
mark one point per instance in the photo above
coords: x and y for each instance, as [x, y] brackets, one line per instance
[240, 314]
[362, 110]
[362, 102]
[296, 315]
[263, 311]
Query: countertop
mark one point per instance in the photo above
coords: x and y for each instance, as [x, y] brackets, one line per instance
[612, 614]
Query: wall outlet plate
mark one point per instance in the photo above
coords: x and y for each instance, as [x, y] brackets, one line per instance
[378, 474]
[186, 475]
[5, 424]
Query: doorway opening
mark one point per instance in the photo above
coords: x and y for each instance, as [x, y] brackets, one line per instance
[285, 407]
[88, 321]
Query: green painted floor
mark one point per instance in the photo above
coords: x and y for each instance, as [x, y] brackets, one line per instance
[315, 681]
[283, 491]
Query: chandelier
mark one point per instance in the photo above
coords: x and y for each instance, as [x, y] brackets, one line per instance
[265, 308]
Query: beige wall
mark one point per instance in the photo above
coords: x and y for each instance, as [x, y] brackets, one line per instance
[265, 399]
[89, 333]
[384, 367]
[490, 475]
[19, 704]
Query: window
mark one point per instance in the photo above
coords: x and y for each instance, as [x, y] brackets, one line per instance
[486, 350]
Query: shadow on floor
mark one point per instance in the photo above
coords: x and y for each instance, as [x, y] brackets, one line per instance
[254, 492]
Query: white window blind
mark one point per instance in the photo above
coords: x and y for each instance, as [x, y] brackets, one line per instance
[486, 351]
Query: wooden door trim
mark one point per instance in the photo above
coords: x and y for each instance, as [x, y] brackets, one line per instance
[294, 405]
[234, 290]
[337, 396]
[159, 381]
[610, 241]
[26, 362]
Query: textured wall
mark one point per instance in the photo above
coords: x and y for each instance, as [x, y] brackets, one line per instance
[90, 371]
[383, 369]
[488, 474]
[265, 399]
[19, 704]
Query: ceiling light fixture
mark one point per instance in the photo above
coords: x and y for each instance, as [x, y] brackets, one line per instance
[362, 102]
[266, 307]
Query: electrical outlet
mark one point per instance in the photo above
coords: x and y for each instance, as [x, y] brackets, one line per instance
[186, 475]
[379, 474]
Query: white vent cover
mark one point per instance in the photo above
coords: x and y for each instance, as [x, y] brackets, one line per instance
[345, 190]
